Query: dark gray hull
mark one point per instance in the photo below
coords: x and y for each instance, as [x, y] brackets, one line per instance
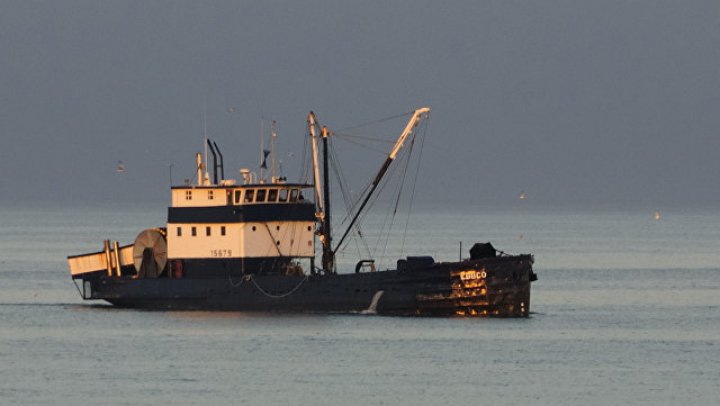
[497, 286]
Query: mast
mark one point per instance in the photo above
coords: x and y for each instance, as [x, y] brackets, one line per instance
[412, 123]
[316, 171]
[273, 135]
[199, 164]
[328, 258]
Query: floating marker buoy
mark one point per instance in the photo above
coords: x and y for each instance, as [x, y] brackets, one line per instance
[657, 216]
[522, 195]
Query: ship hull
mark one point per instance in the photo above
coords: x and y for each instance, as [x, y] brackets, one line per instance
[498, 286]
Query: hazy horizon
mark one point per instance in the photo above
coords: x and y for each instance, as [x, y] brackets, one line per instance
[607, 103]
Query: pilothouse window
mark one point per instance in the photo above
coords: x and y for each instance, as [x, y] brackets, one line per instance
[272, 195]
[293, 195]
[260, 195]
[283, 195]
[238, 194]
[249, 194]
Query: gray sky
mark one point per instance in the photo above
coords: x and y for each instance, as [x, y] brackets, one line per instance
[570, 101]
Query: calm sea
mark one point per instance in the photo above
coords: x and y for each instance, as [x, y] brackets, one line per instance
[626, 311]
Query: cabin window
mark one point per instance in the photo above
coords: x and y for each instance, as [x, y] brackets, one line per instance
[210, 195]
[238, 194]
[283, 195]
[222, 230]
[193, 231]
[249, 194]
[260, 198]
[272, 195]
[179, 231]
[188, 195]
[293, 195]
[207, 231]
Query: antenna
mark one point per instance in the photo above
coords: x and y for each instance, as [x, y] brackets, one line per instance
[262, 143]
[272, 150]
[205, 144]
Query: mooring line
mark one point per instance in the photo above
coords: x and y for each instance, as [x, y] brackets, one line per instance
[278, 296]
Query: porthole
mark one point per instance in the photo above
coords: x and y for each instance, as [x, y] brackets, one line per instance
[254, 228]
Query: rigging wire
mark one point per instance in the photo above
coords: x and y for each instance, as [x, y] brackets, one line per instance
[376, 139]
[387, 180]
[382, 120]
[355, 203]
[391, 223]
[390, 181]
[363, 145]
[412, 193]
[347, 197]
[304, 173]
[371, 202]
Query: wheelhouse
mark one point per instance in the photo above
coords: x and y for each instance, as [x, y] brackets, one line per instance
[204, 196]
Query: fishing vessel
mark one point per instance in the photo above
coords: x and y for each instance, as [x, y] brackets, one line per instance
[250, 245]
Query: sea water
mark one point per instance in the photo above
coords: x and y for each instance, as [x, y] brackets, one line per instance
[626, 311]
